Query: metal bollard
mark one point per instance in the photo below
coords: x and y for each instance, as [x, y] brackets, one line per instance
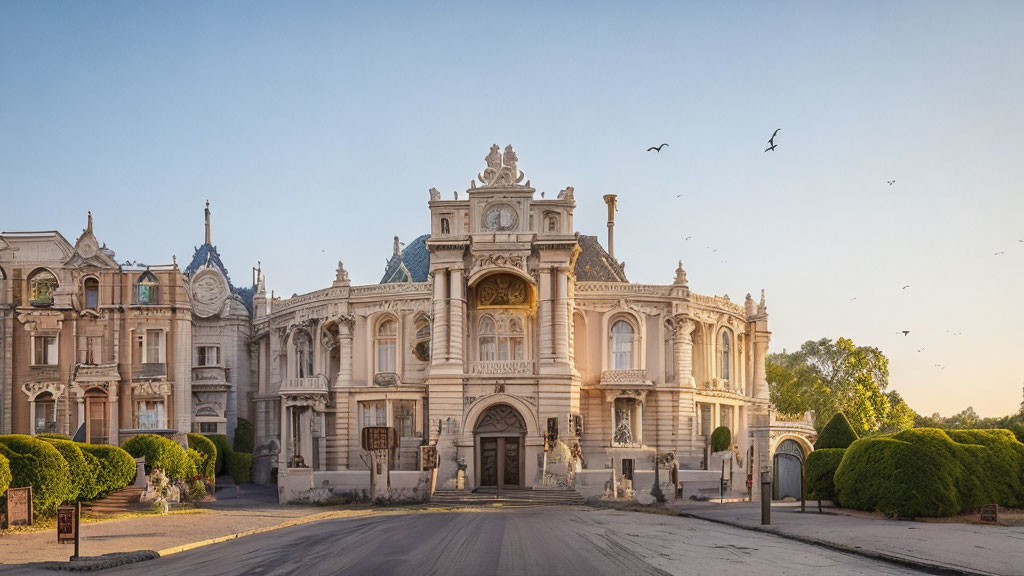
[766, 498]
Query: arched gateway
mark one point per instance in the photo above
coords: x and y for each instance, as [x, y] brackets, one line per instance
[789, 459]
[500, 434]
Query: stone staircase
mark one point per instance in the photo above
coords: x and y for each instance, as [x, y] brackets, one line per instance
[509, 497]
[123, 500]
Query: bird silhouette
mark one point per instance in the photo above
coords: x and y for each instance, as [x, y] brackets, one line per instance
[891, 182]
[920, 349]
[771, 141]
[772, 147]
[1000, 252]
[687, 238]
[679, 195]
[657, 148]
[852, 299]
[905, 332]
[905, 287]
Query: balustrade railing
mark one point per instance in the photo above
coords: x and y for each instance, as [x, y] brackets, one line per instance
[502, 367]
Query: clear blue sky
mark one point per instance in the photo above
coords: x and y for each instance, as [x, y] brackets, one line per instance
[315, 131]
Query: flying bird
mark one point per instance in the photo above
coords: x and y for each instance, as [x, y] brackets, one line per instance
[907, 286]
[771, 141]
[852, 299]
[891, 182]
[657, 148]
[687, 238]
[920, 349]
[1000, 252]
[905, 332]
[679, 195]
[772, 147]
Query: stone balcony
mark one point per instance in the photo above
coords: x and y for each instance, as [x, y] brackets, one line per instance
[150, 370]
[503, 368]
[625, 379]
[209, 378]
[314, 385]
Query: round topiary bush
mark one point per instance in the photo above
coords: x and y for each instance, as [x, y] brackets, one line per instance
[245, 436]
[820, 473]
[38, 464]
[5, 474]
[929, 472]
[53, 435]
[223, 449]
[81, 467]
[239, 466]
[838, 433]
[162, 453]
[115, 468]
[721, 439]
[208, 449]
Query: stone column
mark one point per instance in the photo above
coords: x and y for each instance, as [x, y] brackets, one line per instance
[456, 320]
[683, 349]
[544, 316]
[344, 353]
[282, 454]
[761, 340]
[32, 416]
[113, 418]
[439, 353]
[561, 313]
[80, 399]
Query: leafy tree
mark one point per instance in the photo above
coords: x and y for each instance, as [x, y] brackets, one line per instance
[900, 415]
[964, 420]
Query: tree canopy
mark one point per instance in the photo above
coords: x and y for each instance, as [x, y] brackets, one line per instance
[831, 377]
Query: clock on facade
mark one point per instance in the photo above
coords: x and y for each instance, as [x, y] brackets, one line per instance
[500, 218]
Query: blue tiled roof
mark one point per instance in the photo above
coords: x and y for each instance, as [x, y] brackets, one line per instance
[207, 255]
[414, 259]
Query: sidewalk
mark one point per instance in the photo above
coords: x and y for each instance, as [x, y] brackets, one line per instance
[255, 508]
[942, 547]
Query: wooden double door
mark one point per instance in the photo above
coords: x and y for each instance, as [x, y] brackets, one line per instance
[501, 461]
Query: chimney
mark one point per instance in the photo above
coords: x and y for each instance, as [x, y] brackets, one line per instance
[207, 221]
[609, 199]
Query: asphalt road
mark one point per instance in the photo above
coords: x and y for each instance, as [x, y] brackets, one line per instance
[562, 541]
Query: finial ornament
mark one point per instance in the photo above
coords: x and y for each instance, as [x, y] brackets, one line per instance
[680, 275]
[340, 275]
[88, 225]
[207, 213]
[396, 248]
[762, 308]
[434, 194]
[502, 169]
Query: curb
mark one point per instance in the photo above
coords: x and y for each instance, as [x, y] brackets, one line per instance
[939, 569]
[286, 524]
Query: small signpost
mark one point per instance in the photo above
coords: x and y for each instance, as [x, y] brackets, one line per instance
[380, 442]
[428, 457]
[990, 513]
[68, 519]
[19, 507]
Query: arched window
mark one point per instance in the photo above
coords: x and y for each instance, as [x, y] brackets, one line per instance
[146, 288]
[92, 293]
[502, 338]
[42, 284]
[726, 353]
[46, 413]
[303, 354]
[387, 343]
[421, 344]
[622, 345]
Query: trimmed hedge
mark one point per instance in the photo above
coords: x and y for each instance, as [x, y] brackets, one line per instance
[52, 436]
[115, 468]
[245, 436]
[223, 449]
[838, 433]
[929, 472]
[38, 464]
[239, 466]
[820, 472]
[721, 439]
[81, 467]
[162, 453]
[5, 474]
[208, 449]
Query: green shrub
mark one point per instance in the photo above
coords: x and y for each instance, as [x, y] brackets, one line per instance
[38, 464]
[115, 467]
[820, 472]
[208, 449]
[245, 436]
[82, 469]
[838, 433]
[198, 460]
[929, 472]
[721, 439]
[162, 453]
[239, 465]
[52, 436]
[223, 449]
[5, 474]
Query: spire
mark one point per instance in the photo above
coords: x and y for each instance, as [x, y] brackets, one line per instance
[680, 275]
[207, 221]
[88, 226]
[761, 308]
[748, 305]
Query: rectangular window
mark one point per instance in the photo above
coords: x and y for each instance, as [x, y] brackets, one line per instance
[46, 415]
[375, 413]
[91, 351]
[208, 356]
[725, 418]
[705, 420]
[405, 417]
[208, 427]
[45, 350]
[149, 414]
[627, 468]
[385, 356]
[153, 346]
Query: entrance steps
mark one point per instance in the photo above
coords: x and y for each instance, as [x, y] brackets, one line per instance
[119, 502]
[509, 496]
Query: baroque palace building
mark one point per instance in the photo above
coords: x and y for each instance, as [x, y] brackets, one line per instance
[504, 340]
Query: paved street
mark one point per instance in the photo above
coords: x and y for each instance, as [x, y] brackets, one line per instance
[516, 541]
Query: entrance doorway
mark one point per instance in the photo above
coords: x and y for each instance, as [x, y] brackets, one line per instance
[788, 462]
[96, 416]
[500, 435]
